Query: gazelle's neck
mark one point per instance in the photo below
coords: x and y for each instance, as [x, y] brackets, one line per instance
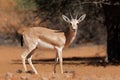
[70, 35]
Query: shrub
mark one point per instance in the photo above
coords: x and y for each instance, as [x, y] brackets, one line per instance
[26, 5]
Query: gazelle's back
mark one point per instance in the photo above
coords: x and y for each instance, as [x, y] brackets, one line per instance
[44, 36]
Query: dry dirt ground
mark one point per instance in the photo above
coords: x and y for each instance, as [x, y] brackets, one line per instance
[81, 63]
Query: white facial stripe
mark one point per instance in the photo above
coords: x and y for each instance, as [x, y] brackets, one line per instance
[74, 23]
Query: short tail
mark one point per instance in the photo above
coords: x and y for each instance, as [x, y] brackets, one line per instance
[21, 40]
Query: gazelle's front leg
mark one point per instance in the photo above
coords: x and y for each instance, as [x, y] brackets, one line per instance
[56, 61]
[60, 59]
[61, 62]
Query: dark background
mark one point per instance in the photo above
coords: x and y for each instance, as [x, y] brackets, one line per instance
[91, 30]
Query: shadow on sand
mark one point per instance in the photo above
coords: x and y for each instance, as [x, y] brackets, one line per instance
[94, 61]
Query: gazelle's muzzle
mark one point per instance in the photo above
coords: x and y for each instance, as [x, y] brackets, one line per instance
[74, 29]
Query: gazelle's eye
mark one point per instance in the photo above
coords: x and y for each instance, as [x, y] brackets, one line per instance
[70, 23]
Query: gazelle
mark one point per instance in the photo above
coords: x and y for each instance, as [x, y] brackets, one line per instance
[43, 38]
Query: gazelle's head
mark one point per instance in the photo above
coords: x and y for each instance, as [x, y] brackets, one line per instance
[74, 21]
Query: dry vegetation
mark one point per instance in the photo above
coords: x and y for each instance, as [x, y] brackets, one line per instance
[9, 21]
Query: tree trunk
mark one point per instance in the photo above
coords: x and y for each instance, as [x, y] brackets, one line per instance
[112, 21]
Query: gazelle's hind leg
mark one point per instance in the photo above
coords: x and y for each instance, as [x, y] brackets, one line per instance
[29, 57]
[24, 56]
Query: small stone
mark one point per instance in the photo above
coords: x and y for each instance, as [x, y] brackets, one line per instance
[44, 78]
[24, 78]
[19, 71]
[8, 76]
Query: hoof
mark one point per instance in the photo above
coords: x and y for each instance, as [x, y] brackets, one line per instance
[19, 71]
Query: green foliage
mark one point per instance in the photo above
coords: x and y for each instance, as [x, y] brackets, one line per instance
[25, 5]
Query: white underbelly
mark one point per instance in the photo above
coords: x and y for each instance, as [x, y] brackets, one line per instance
[45, 45]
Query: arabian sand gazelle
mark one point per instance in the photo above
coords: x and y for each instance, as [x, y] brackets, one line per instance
[44, 38]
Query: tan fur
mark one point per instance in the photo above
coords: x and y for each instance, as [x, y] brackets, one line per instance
[45, 38]
[47, 35]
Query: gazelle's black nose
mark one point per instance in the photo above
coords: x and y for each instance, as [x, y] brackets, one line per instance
[74, 30]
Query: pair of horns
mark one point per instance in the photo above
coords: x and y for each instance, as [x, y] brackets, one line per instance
[72, 16]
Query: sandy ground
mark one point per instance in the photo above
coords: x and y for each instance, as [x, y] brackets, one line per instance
[81, 63]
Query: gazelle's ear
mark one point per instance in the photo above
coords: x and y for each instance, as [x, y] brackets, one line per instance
[82, 18]
[66, 18]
